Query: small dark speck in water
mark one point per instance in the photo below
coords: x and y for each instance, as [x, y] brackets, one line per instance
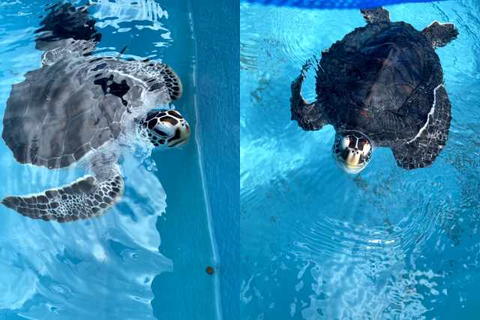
[210, 270]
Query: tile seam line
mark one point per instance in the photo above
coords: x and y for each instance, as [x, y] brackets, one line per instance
[216, 259]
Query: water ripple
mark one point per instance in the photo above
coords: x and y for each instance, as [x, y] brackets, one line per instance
[319, 244]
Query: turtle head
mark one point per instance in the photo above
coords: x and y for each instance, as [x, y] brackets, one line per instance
[166, 128]
[352, 150]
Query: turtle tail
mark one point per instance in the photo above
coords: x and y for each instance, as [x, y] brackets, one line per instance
[85, 198]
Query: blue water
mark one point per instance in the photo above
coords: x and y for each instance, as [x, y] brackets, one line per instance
[217, 49]
[146, 258]
[387, 244]
[333, 4]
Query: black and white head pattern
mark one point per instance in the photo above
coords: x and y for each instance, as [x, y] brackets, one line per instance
[166, 128]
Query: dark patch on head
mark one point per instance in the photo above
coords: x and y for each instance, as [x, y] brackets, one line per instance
[170, 120]
[361, 144]
[175, 114]
[150, 116]
[352, 142]
[152, 123]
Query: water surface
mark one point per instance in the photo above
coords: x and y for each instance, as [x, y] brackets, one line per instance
[386, 244]
[144, 259]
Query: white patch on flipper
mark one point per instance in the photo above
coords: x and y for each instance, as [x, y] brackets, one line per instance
[430, 114]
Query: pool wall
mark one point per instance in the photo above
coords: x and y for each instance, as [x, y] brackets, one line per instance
[216, 33]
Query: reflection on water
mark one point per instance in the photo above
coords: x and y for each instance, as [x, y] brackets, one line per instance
[122, 14]
[320, 244]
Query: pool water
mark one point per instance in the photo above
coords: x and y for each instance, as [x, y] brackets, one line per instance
[317, 243]
[145, 258]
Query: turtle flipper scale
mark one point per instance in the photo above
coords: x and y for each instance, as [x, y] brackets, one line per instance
[440, 34]
[376, 15]
[426, 145]
[85, 198]
[308, 116]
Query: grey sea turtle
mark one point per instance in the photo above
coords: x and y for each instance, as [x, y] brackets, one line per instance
[77, 107]
[381, 86]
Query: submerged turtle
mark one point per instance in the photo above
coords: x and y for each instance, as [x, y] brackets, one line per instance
[381, 86]
[78, 107]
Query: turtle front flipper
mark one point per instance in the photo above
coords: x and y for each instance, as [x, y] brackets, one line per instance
[425, 146]
[440, 34]
[309, 116]
[376, 15]
[85, 198]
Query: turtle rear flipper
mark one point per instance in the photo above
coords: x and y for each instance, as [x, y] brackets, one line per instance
[423, 149]
[309, 116]
[85, 198]
[376, 15]
[440, 34]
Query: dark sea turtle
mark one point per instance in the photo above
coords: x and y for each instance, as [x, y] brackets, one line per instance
[78, 106]
[381, 86]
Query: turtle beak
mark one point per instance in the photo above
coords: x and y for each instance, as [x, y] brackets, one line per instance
[352, 151]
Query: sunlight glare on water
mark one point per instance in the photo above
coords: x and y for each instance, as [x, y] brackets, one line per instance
[386, 244]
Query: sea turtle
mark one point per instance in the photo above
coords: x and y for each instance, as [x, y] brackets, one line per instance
[78, 106]
[381, 86]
